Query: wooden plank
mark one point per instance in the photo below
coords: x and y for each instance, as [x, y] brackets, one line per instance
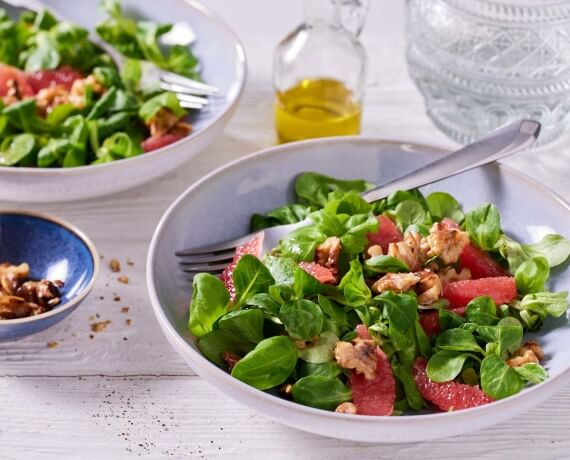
[94, 418]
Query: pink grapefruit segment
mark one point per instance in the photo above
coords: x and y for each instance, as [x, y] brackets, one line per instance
[480, 263]
[323, 275]
[377, 396]
[363, 332]
[157, 142]
[252, 247]
[429, 320]
[502, 289]
[10, 76]
[450, 395]
[64, 76]
[387, 233]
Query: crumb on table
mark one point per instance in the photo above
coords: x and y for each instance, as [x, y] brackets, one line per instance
[123, 279]
[115, 265]
[100, 326]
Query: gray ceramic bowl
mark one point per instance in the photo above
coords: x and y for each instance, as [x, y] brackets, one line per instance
[222, 61]
[219, 206]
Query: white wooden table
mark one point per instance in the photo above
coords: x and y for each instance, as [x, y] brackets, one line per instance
[125, 393]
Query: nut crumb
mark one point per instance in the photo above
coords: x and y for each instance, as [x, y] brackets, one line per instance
[125, 310]
[117, 298]
[115, 265]
[128, 321]
[123, 279]
[130, 262]
[52, 344]
[100, 326]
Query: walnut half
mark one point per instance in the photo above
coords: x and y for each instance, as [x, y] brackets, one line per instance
[529, 352]
[359, 355]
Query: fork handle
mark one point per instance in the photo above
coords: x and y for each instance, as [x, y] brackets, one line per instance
[500, 143]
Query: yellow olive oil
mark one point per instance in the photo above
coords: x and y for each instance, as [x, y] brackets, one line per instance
[316, 108]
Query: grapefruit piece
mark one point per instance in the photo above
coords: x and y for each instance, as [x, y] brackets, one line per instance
[323, 275]
[377, 396]
[387, 233]
[502, 289]
[64, 76]
[429, 321]
[449, 395]
[9, 74]
[362, 332]
[252, 247]
[157, 142]
[480, 263]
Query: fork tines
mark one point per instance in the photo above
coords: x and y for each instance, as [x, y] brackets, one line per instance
[179, 84]
[208, 262]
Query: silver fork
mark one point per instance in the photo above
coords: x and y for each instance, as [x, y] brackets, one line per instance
[498, 144]
[189, 92]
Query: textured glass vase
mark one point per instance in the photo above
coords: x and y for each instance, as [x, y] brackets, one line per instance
[482, 63]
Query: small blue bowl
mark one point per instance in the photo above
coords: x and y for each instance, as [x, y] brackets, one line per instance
[54, 250]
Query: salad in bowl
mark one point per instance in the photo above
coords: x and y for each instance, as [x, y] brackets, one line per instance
[64, 103]
[409, 304]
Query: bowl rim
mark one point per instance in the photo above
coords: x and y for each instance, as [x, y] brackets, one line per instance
[223, 378]
[58, 309]
[163, 151]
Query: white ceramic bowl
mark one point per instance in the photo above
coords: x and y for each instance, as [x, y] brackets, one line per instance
[219, 207]
[222, 65]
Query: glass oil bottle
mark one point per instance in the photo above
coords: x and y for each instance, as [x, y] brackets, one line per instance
[320, 72]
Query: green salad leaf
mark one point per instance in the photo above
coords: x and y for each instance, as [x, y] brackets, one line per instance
[483, 224]
[328, 369]
[210, 300]
[442, 205]
[482, 310]
[531, 372]
[214, 344]
[302, 319]
[532, 274]
[321, 351]
[445, 365]
[247, 324]
[384, 264]
[321, 391]
[250, 277]
[553, 247]
[458, 340]
[354, 287]
[269, 364]
[313, 188]
[498, 380]
[140, 40]
[21, 149]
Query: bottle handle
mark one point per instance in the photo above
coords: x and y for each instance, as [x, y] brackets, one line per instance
[352, 14]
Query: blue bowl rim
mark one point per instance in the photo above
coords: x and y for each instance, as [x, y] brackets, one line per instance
[81, 294]
[200, 362]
